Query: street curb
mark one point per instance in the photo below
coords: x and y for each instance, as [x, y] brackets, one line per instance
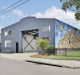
[44, 63]
[57, 65]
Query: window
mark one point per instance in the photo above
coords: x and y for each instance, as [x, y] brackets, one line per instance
[8, 43]
[8, 33]
[46, 28]
[47, 38]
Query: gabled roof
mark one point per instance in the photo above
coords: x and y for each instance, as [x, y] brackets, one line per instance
[32, 17]
[69, 24]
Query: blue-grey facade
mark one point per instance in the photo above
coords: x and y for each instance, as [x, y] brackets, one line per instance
[28, 23]
[49, 28]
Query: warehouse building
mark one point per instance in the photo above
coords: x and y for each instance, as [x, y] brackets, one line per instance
[22, 36]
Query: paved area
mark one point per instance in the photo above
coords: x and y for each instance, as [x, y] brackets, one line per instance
[63, 63]
[26, 56]
[17, 56]
[13, 67]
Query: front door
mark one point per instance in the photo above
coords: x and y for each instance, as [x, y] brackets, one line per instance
[17, 50]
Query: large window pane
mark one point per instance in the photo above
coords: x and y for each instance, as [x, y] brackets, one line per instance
[8, 33]
[8, 43]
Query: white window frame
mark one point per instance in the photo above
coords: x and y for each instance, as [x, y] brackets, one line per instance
[46, 28]
[6, 33]
[8, 43]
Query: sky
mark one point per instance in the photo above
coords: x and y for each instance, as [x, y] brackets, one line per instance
[37, 8]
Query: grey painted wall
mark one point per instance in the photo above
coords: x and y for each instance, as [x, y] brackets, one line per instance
[27, 23]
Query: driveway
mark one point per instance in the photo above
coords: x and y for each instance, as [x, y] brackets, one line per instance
[13, 67]
[17, 56]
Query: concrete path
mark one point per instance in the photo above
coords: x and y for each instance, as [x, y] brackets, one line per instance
[61, 63]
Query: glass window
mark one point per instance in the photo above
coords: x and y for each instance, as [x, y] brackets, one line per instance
[46, 28]
[47, 38]
[8, 43]
[8, 33]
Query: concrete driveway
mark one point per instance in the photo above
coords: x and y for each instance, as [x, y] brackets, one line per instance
[13, 67]
[17, 56]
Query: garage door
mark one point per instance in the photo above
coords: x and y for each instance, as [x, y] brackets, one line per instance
[29, 43]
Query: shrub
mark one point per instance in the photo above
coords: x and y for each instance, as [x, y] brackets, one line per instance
[50, 49]
[42, 43]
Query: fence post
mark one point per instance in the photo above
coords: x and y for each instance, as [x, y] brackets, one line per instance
[65, 52]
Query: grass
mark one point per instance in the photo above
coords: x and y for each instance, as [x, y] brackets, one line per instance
[60, 57]
[74, 55]
[71, 55]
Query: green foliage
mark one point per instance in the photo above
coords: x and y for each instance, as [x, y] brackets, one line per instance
[77, 16]
[42, 43]
[71, 4]
[74, 54]
[45, 47]
[50, 49]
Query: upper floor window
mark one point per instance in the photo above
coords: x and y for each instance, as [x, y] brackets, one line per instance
[46, 28]
[8, 33]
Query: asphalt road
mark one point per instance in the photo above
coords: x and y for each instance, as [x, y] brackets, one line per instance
[13, 67]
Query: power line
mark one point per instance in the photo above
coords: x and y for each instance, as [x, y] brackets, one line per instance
[10, 6]
[14, 7]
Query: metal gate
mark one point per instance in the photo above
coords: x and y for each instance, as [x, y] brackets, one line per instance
[29, 41]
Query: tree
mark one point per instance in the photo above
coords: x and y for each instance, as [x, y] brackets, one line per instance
[73, 5]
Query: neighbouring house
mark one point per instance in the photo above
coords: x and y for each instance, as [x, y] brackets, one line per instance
[22, 36]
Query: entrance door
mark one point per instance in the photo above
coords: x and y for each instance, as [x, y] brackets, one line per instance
[17, 47]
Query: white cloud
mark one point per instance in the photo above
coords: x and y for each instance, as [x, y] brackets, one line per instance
[67, 17]
[18, 13]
